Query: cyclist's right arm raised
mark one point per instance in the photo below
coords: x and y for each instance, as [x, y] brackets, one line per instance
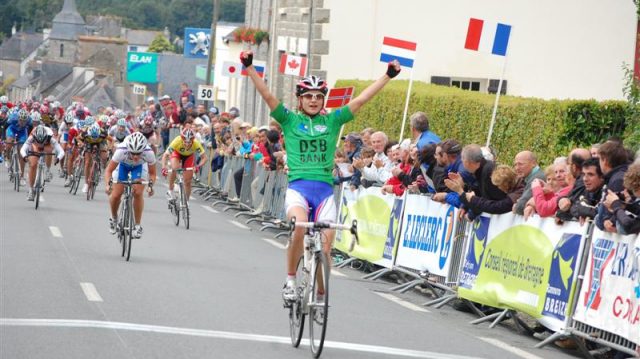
[247, 60]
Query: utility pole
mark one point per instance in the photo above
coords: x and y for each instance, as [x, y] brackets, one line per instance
[310, 39]
[212, 48]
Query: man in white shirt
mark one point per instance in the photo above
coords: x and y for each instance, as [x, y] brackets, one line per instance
[379, 170]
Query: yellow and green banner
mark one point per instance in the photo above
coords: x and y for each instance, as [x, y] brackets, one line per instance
[528, 266]
[378, 216]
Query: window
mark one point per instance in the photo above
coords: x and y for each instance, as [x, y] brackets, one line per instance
[61, 50]
[133, 48]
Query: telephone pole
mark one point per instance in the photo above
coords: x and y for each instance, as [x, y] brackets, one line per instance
[212, 47]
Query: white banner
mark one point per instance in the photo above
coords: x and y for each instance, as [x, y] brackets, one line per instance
[426, 236]
[610, 295]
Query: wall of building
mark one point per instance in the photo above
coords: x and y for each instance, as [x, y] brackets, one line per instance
[10, 68]
[557, 49]
[68, 54]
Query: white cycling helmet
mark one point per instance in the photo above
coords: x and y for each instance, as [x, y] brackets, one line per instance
[68, 118]
[4, 99]
[40, 134]
[36, 117]
[136, 142]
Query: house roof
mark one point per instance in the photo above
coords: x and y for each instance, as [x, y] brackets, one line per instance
[68, 23]
[20, 46]
[52, 73]
[141, 37]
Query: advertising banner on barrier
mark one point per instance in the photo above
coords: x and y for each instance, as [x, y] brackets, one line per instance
[610, 295]
[529, 266]
[426, 237]
[378, 216]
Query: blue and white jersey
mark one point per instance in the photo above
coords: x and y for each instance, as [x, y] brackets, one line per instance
[122, 156]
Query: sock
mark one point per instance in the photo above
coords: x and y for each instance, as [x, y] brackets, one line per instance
[291, 276]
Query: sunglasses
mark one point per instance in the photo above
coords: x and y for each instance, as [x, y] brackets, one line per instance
[313, 96]
[135, 153]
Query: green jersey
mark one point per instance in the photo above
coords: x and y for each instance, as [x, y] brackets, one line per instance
[311, 142]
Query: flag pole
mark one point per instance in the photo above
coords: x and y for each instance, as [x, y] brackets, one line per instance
[495, 105]
[406, 105]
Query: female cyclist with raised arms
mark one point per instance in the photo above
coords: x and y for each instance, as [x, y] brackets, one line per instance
[310, 139]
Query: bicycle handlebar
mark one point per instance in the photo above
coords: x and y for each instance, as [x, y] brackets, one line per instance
[353, 228]
[182, 169]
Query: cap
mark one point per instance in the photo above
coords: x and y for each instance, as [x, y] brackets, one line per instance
[165, 97]
[352, 137]
[188, 105]
[151, 99]
[245, 124]
[214, 110]
[451, 147]
[234, 112]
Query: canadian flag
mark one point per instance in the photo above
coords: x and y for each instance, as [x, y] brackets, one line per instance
[293, 65]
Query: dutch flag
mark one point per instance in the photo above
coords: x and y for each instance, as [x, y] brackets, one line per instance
[487, 37]
[401, 50]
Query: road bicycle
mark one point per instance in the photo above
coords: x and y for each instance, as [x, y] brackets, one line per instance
[78, 170]
[179, 206]
[94, 173]
[14, 164]
[126, 222]
[39, 183]
[312, 284]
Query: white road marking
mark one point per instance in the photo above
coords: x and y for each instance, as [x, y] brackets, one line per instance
[91, 292]
[70, 323]
[511, 349]
[403, 303]
[209, 209]
[238, 224]
[41, 198]
[55, 231]
[337, 273]
[274, 243]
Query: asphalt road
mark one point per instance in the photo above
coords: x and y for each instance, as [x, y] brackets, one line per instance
[209, 292]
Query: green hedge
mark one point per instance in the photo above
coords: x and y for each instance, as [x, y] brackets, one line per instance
[549, 128]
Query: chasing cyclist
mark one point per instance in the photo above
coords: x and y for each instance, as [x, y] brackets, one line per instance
[17, 131]
[40, 141]
[182, 153]
[130, 157]
[310, 138]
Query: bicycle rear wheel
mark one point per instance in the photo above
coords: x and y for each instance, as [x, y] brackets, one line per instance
[77, 176]
[93, 182]
[319, 307]
[296, 314]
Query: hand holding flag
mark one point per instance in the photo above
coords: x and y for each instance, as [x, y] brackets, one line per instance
[393, 69]
[246, 57]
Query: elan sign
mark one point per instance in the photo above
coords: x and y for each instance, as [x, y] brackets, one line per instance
[142, 67]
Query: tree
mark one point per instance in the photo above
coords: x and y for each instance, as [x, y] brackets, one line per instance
[160, 44]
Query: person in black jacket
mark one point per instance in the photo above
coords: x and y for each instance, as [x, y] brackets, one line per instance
[625, 206]
[474, 162]
[505, 178]
[584, 207]
[613, 163]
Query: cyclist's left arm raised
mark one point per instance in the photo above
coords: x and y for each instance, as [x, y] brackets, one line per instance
[393, 69]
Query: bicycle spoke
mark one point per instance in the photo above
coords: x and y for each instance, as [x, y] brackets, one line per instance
[319, 304]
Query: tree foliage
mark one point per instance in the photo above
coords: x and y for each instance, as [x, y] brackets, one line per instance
[160, 44]
[139, 14]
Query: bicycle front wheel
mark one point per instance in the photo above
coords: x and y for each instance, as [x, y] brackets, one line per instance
[296, 313]
[38, 186]
[129, 232]
[185, 207]
[16, 173]
[319, 306]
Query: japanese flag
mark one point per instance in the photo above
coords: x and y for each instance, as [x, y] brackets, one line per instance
[293, 65]
[231, 69]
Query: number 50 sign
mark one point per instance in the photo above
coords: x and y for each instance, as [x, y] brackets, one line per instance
[206, 92]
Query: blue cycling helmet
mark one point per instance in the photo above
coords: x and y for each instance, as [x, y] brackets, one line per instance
[122, 122]
[81, 123]
[94, 131]
[89, 120]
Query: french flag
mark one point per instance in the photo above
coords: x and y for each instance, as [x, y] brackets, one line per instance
[487, 37]
[258, 65]
[396, 49]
